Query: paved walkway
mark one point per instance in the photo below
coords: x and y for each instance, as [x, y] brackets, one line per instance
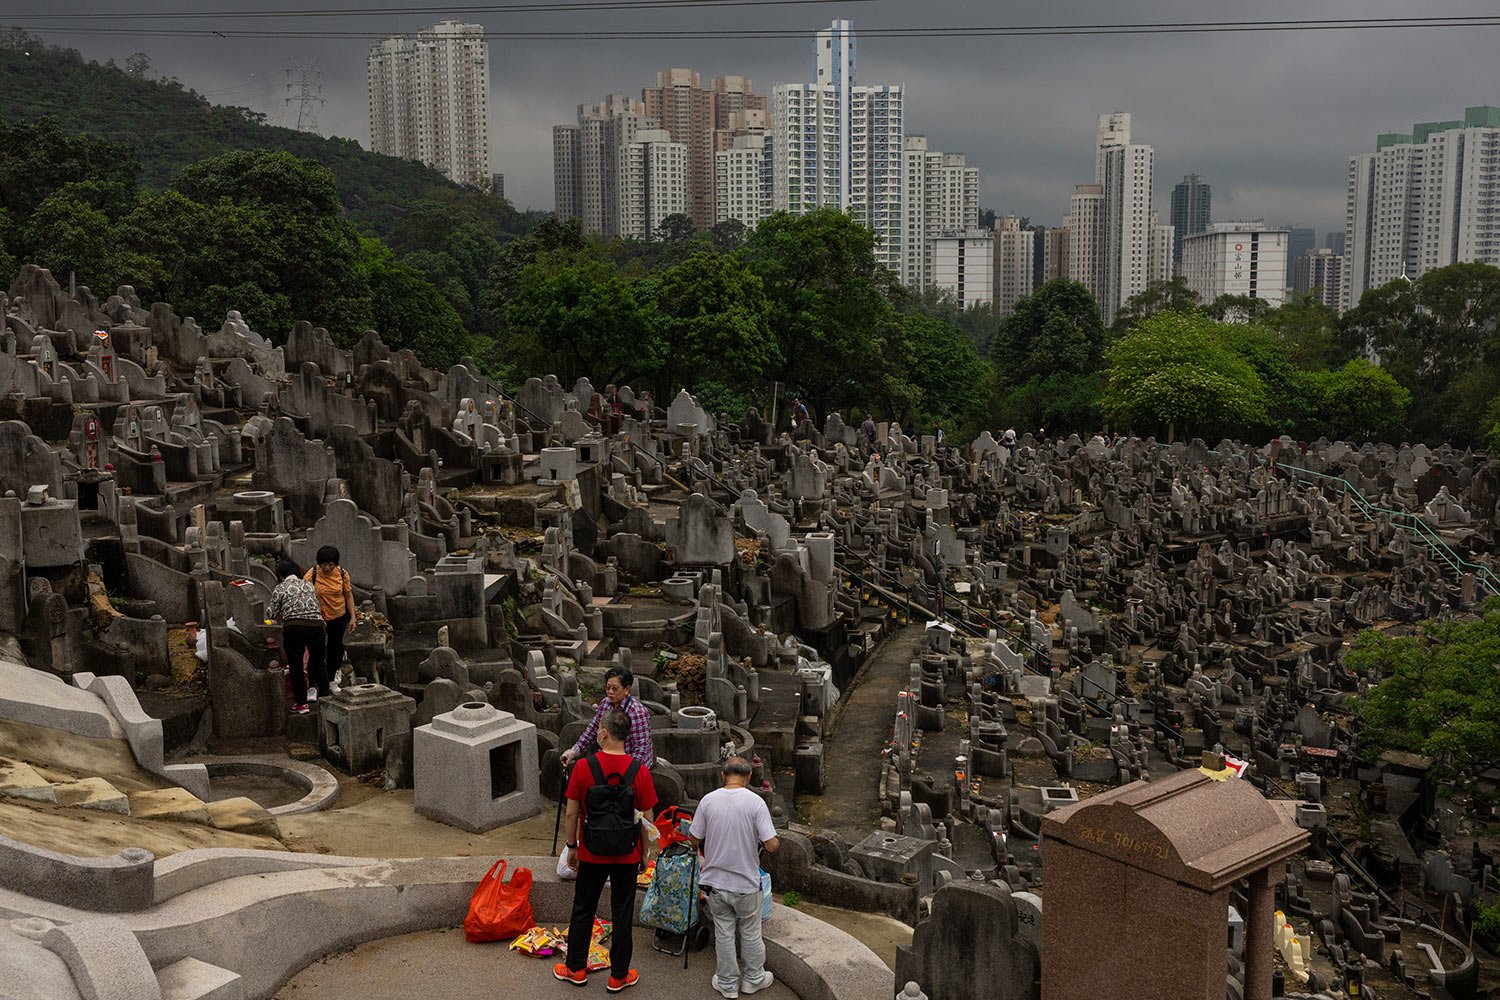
[442, 965]
[852, 755]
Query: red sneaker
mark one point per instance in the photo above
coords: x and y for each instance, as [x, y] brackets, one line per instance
[616, 985]
[567, 975]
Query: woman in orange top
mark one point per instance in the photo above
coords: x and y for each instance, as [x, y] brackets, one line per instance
[336, 604]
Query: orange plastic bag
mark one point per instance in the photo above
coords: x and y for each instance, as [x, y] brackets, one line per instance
[500, 910]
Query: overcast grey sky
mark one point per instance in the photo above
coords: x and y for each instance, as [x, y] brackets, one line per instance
[1269, 119]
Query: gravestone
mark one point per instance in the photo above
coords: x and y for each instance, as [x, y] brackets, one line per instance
[974, 945]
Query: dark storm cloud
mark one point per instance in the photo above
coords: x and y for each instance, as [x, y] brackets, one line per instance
[1269, 119]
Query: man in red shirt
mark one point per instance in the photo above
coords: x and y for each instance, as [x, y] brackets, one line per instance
[606, 791]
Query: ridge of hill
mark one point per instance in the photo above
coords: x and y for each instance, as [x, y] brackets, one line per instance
[170, 126]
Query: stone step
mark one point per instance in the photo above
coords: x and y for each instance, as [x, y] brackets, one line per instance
[19, 780]
[242, 815]
[92, 793]
[174, 804]
[191, 979]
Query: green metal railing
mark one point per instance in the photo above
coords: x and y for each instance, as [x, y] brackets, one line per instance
[1413, 523]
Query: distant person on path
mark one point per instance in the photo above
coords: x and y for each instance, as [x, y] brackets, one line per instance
[617, 698]
[606, 843]
[336, 604]
[732, 824]
[294, 606]
[938, 437]
[799, 412]
[867, 431]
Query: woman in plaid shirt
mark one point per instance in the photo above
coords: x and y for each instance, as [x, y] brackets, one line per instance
[617, 684]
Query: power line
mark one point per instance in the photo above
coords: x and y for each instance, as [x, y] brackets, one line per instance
[554, 6]
[971, 31]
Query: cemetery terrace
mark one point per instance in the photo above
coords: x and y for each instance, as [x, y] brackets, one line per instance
[1080, 714]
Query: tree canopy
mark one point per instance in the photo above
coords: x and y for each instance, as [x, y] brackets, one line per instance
[1437, 693]
[1177, 371]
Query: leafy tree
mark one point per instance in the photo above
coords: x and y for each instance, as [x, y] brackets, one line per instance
[979, 323]
[675, 227]
[1438, 337]
[270, 179]
[1359, 402]
[1290, 394]
[137, 65]
[450, 237]
[408, 310]
[1438, 693]
[713, 318]
[728, 236]
[1309, 329]
[7, 239]
[1384, 322]
[296, 247]
[64, 235]
[1238, 309]
[573, 313]
[1176, 371]
[502, 283]
[1056, 328]
[38, 159]
[954, 382]
[830, 307]
[1171, 295]
[1061, 402]
[1047, 357]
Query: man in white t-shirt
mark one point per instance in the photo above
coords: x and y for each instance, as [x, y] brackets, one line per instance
[731, 825]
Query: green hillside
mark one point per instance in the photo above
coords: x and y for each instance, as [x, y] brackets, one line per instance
[169, 127]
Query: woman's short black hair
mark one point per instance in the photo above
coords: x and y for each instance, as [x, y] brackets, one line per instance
[328, 554]
[286, 568]
[627, 679]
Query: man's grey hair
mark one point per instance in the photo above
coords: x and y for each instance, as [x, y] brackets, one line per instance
[617, 724]
[739, 767]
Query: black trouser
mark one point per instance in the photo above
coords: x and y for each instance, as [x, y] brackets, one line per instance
[590, 885]
[297, 640]
[336, 627]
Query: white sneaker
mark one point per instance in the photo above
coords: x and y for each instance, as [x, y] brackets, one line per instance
[312, 694]
[747, 987]
[729, 994]
[334, 687]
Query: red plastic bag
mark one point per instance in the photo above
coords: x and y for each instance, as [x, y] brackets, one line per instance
[500, 910]
[671, 826]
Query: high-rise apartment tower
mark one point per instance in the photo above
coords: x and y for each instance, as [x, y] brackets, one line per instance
[838, 144]
[586, 161]
[1423, 199]
[429, 100]
[699, 118]
[942, 196]
[1192, 209]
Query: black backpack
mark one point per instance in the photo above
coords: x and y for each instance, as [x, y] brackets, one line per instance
[609, 827]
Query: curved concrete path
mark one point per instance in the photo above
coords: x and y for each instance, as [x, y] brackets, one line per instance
[404, 966]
